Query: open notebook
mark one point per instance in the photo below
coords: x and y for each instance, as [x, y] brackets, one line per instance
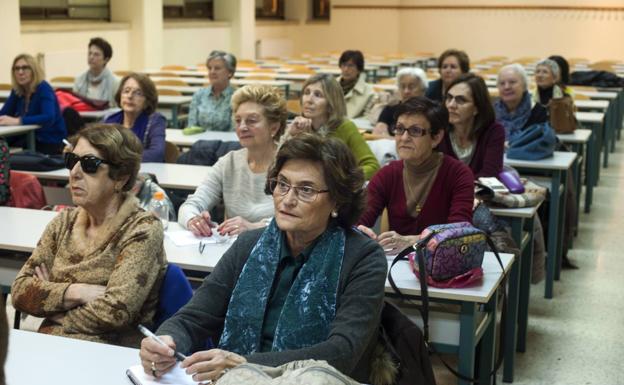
[176, 376]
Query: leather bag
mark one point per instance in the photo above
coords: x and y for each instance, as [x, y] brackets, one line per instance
[561, 112]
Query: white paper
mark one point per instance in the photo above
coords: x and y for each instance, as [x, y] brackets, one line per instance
[186, 238]
[177, 376]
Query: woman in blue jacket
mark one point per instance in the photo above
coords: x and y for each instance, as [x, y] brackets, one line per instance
[32, 101]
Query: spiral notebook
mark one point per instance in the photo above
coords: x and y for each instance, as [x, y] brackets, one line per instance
[176, 376]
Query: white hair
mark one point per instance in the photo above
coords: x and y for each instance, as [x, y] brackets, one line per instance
[518, 69]
[552, 65]
[414, 72]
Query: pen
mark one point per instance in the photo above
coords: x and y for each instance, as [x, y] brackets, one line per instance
[67, 143]
[147, 333]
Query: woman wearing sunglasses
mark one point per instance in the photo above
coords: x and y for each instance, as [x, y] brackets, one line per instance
[238, 177]
[424, 187]
[138, 99]
[96, 271]
[32, 101]
[305, 287]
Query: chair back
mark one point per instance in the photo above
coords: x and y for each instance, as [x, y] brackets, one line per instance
[171, 152]
[175, 292]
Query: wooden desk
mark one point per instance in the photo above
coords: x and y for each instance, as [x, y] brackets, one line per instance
[176, 137]
[556, 167]
[28, 130]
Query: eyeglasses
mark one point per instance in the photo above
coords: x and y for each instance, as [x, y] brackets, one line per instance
[460, 100]
[413, 131]
[248, 122]
[133, 92]
[303, 193]
[21, 68]
[88, 163]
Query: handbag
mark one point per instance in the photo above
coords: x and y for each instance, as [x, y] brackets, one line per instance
[36, 161]
[67, 98]
[533, 143]
[561, 112]
[310, 372]
[533, 195]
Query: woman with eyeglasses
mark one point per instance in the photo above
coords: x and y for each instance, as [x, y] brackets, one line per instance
[96, 271]
[210, 107]
[324, 113]
[424, 187]
[32, 101]
[238, 177]
[474, 136]
[308, 286]
[138, 99]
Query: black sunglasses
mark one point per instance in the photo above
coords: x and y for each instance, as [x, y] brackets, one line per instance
[88, 163]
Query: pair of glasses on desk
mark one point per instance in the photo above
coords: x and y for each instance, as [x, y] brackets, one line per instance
[216, 239]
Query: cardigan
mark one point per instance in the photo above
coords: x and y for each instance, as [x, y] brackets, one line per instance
[127, 256]
[450, 198]
[487, 156]
[353, 332]
[153, 138]
[230, 180]
[360, 99]
[434, 90]
[349, 134]
[210, 113]
[43, 110]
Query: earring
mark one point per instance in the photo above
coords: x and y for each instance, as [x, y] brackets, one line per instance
[334, 214]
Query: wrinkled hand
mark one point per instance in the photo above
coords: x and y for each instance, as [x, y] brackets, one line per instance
[201, 225]
[234, 226]
[368, 231]
[381, 129]
[299, 125]
[393, 243]
[78, 294]
[211, 364]
[42, 272]
[6, 120]
[153, 352]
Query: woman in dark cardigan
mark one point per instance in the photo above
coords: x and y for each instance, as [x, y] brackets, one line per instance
[424, 187]
[474, 136]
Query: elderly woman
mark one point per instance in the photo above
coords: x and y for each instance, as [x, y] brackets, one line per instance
[474, 136]
[210, 107]
[323, 112]
[98, 82]
[359, 95]
[138, 99]
[32, 101]
[451, 64]
[306, 287]
[514, 108]
[411, 82]
[238, 177]
[547, 75]
[97, 269]
[424, 187]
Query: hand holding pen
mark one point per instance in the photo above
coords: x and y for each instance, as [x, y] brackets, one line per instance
[158, 354]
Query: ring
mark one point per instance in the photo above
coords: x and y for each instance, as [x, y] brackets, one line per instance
[153, 369]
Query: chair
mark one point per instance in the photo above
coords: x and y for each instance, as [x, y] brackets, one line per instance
[175, 292]
[171, 82]
[171, 152]
[167, 92]
[5, 87]
[26, 191]
[122, 73]
[62, 79]
[173, 68]
[259, 77]
[294, 106]
[164, 75]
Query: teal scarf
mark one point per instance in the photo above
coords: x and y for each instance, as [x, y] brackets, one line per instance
[310, 306]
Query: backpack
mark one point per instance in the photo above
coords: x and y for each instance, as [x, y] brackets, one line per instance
[533, 143]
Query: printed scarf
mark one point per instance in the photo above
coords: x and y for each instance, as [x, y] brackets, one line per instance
[513, 123]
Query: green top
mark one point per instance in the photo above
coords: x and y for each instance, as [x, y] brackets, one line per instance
[349, 134]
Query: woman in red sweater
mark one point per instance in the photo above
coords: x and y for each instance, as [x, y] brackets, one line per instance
[424, 187]
[474, 135]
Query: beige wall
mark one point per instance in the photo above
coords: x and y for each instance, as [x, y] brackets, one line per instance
[10, 43]
[199, 40]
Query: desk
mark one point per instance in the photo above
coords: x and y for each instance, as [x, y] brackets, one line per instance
[557, 167]
[584, 139]
[598, 105]
[176, 137]
[595, 122]
[204, 82]
[28, 130]
[36, 358]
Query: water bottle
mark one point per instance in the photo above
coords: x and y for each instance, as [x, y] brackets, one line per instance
[158, 206]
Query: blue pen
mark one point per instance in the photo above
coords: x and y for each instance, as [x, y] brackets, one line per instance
[147, 333]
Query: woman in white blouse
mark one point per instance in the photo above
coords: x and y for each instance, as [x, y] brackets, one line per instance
[238, 178]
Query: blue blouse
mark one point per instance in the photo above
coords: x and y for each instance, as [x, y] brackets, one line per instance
[210, 112]
[150, 129]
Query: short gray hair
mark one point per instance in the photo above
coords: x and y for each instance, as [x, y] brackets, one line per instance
[228, 59]
[519, 70]
[554, 67]
[414, 72]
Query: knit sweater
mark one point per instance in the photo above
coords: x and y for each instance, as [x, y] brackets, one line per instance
[450, 198]
[232, 181]
[353, 331]
[126, 256]
[487, 156]
[349, 134]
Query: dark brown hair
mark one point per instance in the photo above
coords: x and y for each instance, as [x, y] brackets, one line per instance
[481, 98]
[104, 46]
[434, 112]
[462, 58]
[147, 87]
[343, 175]
[355, 56]
[118, 145]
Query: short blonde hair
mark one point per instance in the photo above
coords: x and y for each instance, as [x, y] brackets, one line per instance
[273, 104]
[37, 75]
[336, 107]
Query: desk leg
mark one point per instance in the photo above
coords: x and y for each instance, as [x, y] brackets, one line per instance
[467, 338]
[512, 305]
[174, 116]
[287, 91]
[486, 357]
[605, 143]
[577, 170]
[561, 221]
[526, 266]
[553, 215]
[590, 172]
[30, 138]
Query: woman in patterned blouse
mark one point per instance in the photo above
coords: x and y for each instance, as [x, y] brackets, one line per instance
[210, 107]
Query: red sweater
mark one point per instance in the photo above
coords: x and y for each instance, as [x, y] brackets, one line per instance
[487, 159]
[450, 198]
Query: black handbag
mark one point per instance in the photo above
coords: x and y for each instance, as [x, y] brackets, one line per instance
[36, 161]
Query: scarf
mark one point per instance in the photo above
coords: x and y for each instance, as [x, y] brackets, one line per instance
[513, 123]
[309, 308]
[139, 128]
[418, 180]
[347, 85]
[105, 79]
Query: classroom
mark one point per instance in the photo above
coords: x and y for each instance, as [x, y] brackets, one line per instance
[454, 168]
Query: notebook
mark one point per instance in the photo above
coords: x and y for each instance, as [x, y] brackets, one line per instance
[176, 376]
